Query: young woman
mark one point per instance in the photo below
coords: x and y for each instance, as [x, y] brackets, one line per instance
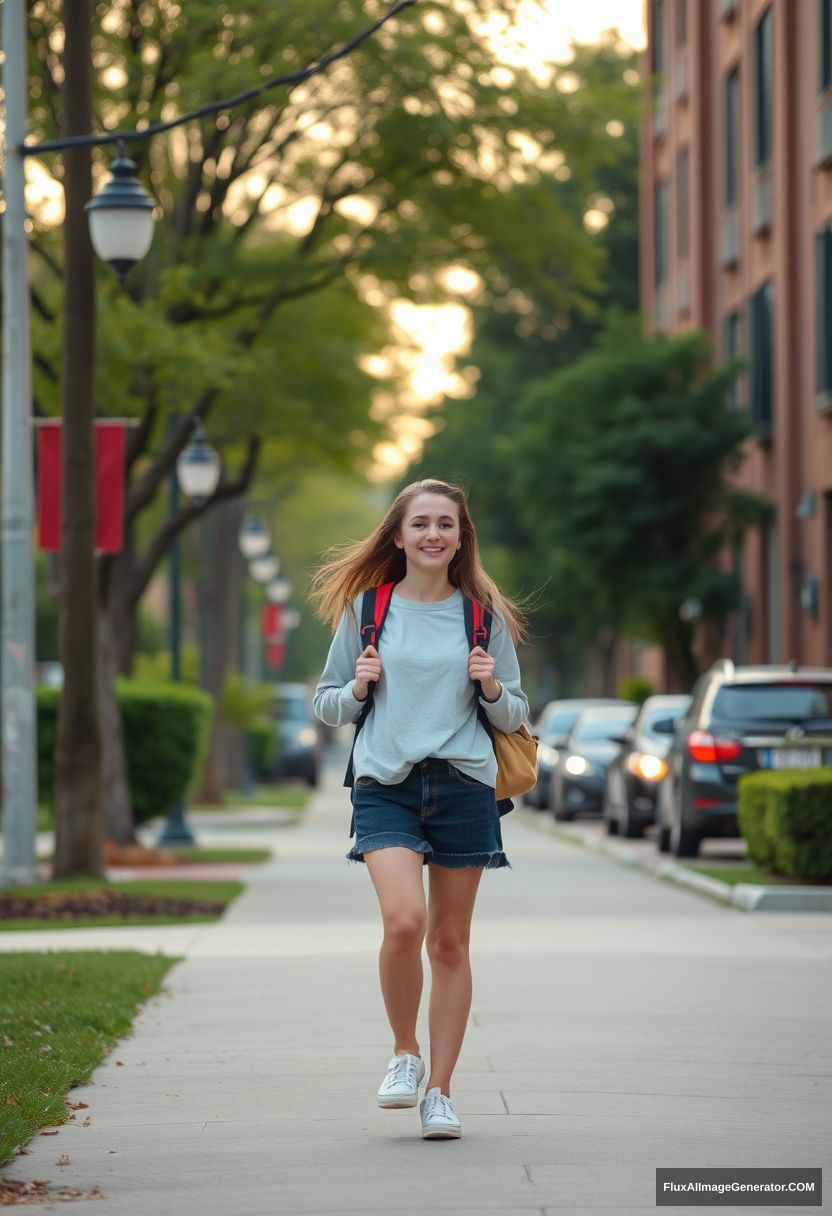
[424, 765]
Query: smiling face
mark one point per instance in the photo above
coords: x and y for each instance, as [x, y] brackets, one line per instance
[429, 532]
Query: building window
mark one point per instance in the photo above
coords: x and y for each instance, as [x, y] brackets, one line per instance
[763, 84]
[681, 22]
[730, 350]
[732, 136]
[825, 32]
[683, 202]
[658, 45]
[823, 311]
[761, 341]
[660, 232]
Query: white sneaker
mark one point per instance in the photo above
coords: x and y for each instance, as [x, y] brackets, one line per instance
[400, 1087]
[438, 1119]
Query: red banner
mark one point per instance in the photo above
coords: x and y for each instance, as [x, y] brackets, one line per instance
[109, 486]
[272, 630]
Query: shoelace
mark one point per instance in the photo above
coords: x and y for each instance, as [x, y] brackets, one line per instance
[446, 1111]
[404, 1065]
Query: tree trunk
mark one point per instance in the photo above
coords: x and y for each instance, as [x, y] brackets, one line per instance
[115, 791]
[79, 843]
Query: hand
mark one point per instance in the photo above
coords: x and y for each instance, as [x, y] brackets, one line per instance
[481, 667]
[367, 670]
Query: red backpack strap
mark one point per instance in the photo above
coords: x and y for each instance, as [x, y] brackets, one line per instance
[477, 623]
[374, 605]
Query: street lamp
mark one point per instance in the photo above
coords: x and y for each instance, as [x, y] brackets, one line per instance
[198, 469]
[264, 569]
[197, 474]
[255, 539]
[279, 590]
[121, 218]
[291, 619]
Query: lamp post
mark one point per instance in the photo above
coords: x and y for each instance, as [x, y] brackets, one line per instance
[197, 474]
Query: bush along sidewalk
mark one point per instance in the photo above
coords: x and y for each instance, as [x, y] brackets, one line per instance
[786, 821]
[77, 903]
[60, 1015]
[166, 734]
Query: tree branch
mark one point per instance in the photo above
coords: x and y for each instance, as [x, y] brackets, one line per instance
[167, 534]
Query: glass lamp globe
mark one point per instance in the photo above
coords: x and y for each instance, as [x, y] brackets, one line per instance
[255, 538]
[279, 590]
[198, 469]
[121, 218]
[291, 618]
[264, 569]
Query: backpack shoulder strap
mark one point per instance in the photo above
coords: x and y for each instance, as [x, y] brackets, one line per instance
[477, 623]
[374, 605]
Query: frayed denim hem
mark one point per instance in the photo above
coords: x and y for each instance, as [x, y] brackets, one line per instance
[384, 840]
[488, 861]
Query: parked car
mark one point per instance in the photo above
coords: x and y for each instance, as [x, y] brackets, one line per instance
[554, 723]
[634, 774]
[299, 741]
[740, 719]
[579, 775]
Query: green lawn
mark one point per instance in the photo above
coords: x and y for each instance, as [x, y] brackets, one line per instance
[751, 873]
[207, 855]
[174, 888]
[60, 1014]
[287, 796]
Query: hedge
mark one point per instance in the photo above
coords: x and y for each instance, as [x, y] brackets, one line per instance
[166, 732]
[786, 819]
[262, 742]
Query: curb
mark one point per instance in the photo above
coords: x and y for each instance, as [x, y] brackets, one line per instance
[746, 897]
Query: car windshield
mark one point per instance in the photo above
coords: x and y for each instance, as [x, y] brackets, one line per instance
[560, 723]
[659, 714]
[792, 701]
[596, 729]
[291, 709]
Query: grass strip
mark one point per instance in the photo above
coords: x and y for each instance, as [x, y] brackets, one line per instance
[60, 1015]
[757, 876]
[188, 889]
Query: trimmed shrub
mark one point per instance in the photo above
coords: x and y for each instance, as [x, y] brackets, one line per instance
[166, 733]
[635, 688]
[786, 819]
[261, 740]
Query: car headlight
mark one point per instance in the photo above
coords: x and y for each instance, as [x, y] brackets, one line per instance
[649, 768]
[549, 755]
[308, 737]
[577, 766]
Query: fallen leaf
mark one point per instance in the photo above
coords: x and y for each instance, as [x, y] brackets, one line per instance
[86, 1122]
[57, 1133]
[63, 1160]
[119, 1063]
[77, 1105]
[110, 1150]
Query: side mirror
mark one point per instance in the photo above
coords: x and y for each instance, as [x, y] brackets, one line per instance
[665, 726]
[622, 739]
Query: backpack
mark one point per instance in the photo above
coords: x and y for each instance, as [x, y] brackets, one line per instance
[516, 752]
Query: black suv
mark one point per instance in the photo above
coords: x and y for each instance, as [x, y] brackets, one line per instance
[740, 719]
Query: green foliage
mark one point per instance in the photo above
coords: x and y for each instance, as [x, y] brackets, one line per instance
[262, 741]
[243, 703]
[166, 731]
[784, 818]
[156, 666]
[636, 688]
[78, 1005]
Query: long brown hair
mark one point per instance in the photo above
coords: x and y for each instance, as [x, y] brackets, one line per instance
[352, 568]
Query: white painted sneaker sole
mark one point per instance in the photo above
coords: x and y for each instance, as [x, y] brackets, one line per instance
[398, 1103]
[441, 1133]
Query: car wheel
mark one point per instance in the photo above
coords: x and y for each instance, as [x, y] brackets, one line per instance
[609, 823]
[631, 827]
[684, 841]
[312, 779]
[663, 838]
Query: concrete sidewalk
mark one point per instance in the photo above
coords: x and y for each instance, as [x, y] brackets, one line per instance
[618, 1024]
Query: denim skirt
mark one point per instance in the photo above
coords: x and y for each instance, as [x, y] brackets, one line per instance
[437, 810]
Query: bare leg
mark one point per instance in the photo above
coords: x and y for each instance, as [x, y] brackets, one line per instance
[397, 877]
[452, 896]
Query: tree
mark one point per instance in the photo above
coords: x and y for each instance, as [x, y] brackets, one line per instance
[406, 158]
[622, 464]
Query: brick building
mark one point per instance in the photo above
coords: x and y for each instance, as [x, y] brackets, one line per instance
[736, 224]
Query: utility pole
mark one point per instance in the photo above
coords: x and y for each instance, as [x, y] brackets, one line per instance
[17, 657]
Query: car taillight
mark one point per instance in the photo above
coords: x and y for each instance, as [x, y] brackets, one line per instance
[704, 747]
[649, 768]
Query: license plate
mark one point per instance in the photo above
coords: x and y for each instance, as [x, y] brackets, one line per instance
[790, 757]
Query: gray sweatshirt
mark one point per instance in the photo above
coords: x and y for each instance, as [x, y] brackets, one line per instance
[425, 703]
